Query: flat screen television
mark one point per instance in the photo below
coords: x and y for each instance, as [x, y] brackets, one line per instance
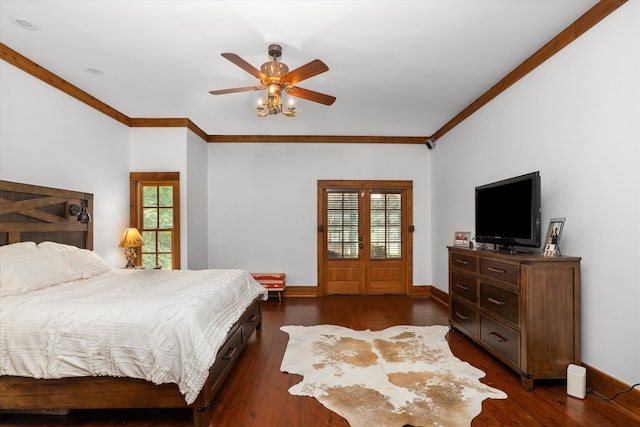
[508, 213]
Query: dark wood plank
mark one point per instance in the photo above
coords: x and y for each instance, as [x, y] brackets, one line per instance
[256, 392]
[334, 139]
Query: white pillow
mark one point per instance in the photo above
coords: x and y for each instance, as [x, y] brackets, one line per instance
[57, 247]
[31, 270]
[17, 247]
[85, 262]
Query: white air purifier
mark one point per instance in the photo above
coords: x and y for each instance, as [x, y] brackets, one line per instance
[576, 381]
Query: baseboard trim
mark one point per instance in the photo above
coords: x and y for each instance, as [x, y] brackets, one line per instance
[300, 291]
[431, 292]
[416, 291]
[607, 386]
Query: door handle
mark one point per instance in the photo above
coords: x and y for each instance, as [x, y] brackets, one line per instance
[361, 246]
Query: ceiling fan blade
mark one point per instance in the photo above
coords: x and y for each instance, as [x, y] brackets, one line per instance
[236, 89]
[244, 65]
[310, 95]
[311, 69]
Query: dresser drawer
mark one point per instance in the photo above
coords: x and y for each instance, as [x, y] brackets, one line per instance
[463, 286]
[500, 338]
[464, 262]
[464, 317]
[500, 270]
[501, 302]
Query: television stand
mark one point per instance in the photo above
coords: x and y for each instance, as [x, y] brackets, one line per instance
[522, 308]
[504, 248]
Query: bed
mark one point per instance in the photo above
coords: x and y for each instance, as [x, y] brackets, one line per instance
[114, 338]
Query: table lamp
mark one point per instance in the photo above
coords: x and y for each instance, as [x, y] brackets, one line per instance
[131, 239]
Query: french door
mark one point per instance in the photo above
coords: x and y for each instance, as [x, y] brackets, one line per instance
[364, 237]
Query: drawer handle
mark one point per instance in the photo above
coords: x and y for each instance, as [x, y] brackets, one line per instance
[461, 316]
[496, 270]
[252, 318]
[498, 337]
[463, 287]
[495, 301]
[230, 353]
[462, 261]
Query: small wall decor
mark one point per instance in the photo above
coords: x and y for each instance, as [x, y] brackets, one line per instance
[552, 240]
[462, 238]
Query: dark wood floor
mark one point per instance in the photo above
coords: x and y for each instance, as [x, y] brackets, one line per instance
[256, 392]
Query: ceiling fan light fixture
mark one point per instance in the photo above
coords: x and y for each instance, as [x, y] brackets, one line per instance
[290, 110]
[272, 104]
[275, 77]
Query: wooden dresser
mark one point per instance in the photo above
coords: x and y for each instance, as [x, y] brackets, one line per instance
[522, 308]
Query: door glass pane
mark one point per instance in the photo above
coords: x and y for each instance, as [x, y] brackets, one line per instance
[351, 201]
[334, 201]
[394, 250]
[386, 225]
[393, 201]
[350, 250]
[342, 224]
[377, 218]
[393, 234]
[334, 217]
[377, 234]
[351, 234]
[334, 250]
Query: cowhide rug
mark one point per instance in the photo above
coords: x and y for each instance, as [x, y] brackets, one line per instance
[402, 375]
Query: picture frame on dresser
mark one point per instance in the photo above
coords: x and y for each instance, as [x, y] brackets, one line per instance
[462, 238]
[552, 239]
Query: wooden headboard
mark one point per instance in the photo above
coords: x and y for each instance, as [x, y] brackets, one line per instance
[35, 213]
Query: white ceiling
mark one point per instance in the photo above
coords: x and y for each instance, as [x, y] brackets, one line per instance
[397, 68]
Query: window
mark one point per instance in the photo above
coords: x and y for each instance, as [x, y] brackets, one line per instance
[342, 224]
[386, 225]
[155, 211]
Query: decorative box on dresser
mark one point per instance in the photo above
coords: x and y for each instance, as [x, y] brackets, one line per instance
[522, 308]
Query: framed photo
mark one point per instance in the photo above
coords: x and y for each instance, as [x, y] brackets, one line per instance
[462, 238]
[552, 240]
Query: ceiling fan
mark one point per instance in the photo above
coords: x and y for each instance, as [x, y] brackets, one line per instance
[276, 77]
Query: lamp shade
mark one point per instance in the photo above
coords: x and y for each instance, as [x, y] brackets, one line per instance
[131, 239]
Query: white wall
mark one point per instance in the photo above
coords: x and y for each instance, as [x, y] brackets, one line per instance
[575, 119]
[197, 238]
[49, 138]
[178, 150]
[262, 201]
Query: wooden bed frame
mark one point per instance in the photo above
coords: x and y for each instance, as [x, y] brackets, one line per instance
[34, 213]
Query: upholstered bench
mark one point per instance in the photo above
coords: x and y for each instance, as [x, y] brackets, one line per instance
[273, 282]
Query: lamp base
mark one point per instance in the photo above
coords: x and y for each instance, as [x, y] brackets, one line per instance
[130, 253]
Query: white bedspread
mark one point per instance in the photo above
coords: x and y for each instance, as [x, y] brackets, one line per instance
[161, 326]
